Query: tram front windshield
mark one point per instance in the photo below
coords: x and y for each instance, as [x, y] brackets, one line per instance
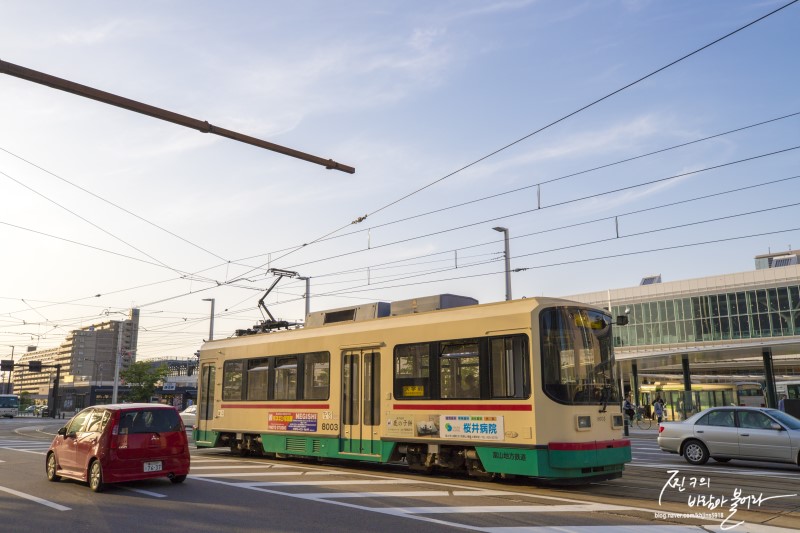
[577, 356]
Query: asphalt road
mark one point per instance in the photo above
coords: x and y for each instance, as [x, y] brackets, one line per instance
[254, 494]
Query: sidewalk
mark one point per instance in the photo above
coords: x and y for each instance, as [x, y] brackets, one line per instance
[651, 433]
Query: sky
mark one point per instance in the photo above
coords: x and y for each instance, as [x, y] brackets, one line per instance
[458, 116]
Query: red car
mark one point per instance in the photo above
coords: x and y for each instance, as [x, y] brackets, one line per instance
[120, 442]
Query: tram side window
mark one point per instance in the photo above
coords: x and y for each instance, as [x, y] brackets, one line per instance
[509, 358]
[286, 378]
[316, 375]
[412, 379]
[459, 370]
[233, 380]
[257, 378]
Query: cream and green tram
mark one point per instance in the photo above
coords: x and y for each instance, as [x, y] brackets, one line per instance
[524, 388]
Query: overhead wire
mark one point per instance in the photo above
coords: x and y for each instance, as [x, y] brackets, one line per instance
[558, 204]
[541, 129]
[551, 180]
[109, 202]
[563, 263]
[547, 126]
[84, 219]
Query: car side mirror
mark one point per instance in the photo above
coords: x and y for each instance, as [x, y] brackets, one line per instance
[63, 431]
[622, 320]
[776, 426]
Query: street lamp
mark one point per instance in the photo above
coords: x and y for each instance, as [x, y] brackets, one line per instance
[211, 327]
[504, 231]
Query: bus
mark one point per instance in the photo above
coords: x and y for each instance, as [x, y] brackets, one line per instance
[524, 387]
[702, 395]
[9, 405]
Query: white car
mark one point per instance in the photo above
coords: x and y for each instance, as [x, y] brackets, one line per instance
[725, 433]
[189, 416]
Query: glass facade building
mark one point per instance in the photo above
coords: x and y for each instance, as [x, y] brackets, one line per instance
[744, 314]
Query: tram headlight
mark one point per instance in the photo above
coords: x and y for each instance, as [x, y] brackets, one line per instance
[584, 422]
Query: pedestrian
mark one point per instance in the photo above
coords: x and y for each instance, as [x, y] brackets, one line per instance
[658, 409]
[628, 408]
[782, 403]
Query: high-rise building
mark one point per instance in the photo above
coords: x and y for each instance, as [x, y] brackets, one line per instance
[86, 357]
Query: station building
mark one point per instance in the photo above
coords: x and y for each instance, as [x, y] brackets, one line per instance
[718, 329]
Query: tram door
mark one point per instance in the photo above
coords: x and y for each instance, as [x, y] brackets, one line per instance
[360, 402]
[205, 405]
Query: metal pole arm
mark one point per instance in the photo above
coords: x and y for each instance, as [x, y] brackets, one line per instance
[162, 114]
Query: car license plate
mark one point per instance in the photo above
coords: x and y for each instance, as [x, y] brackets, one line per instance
[152, 466]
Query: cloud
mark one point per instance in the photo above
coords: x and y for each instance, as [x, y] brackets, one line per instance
[89, 36]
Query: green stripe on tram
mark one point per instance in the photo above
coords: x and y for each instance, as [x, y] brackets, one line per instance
[553, 464]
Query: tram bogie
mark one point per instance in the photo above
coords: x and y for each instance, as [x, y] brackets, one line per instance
[515, 388]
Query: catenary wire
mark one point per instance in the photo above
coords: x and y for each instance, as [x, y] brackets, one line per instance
[558, 204]
[553, 123]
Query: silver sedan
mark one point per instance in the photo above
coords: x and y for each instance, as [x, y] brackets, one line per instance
[725, 433]
[189, 416]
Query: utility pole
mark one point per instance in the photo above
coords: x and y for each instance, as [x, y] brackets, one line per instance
[308, 296]
[211, 327]
[8, 385]
[507, 255]
[117, 363]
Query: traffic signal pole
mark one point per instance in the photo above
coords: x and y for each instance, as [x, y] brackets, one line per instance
[55, 391]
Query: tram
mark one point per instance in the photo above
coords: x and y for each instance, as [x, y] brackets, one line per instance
[791, 389]
[524, 388]
[703, 396]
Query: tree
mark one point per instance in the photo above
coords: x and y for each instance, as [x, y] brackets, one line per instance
[142, 378]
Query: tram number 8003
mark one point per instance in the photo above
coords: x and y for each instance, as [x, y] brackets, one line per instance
[330, 427]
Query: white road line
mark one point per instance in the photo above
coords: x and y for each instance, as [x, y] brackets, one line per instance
[399, 494]
[40, 451]
[330, 482]
[598, 529]
[399, 512]
[262, 467]
[262, 474]
[36, 499]
[722, 470]
[142, 491]
[587, 508]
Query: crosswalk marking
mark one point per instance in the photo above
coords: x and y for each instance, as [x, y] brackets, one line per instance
[263, 474]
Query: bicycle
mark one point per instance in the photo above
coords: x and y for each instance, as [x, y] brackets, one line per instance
[642, 421]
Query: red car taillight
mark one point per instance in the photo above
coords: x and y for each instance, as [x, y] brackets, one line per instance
[114, 432]
[660, 429]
